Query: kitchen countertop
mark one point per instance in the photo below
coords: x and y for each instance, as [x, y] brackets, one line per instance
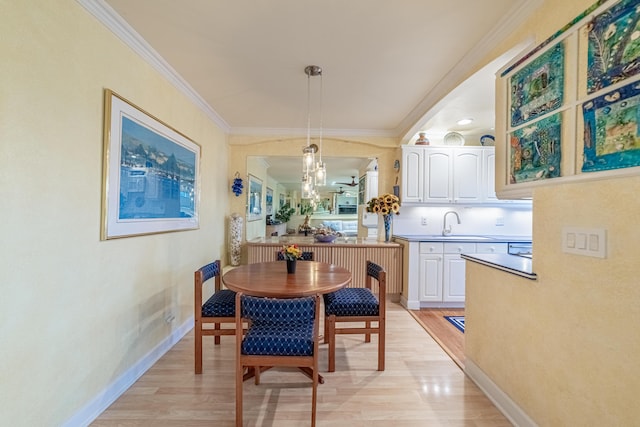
[463, 238]
[514, 264]
[310, 241]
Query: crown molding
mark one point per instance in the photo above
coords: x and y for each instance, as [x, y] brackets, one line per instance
[114, 22]
[299, 132]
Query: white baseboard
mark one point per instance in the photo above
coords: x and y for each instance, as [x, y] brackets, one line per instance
[409, 305]
[503, 402]
[99, 403]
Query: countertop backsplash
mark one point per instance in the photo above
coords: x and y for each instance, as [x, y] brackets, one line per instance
[474, 220]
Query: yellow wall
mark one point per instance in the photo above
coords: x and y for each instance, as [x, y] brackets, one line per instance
[77, 312]
[564, 348]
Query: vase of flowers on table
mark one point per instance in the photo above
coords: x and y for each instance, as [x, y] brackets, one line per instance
[386, 205]
[291, 253]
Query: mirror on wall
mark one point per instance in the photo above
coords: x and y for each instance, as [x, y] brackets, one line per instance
[339, 196]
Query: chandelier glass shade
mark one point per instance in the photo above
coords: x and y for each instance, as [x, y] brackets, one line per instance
[314, 174]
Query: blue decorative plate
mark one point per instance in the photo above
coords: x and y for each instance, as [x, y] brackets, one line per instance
[487, 140]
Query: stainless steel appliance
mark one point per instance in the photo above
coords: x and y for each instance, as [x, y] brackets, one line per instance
[347, 209]
[523, 249]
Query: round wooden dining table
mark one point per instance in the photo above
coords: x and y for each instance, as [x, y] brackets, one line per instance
[270, 279]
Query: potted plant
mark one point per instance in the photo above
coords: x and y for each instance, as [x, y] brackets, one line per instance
[284, 213]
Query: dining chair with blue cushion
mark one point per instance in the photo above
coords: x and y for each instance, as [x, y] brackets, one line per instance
[281, 332]
[358, 305]
[219, 309]
[306, 256]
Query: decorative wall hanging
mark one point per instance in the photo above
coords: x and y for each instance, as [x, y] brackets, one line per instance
[614, 45]
[535, 150]
[151, 178]
[237, 185]
[538, 87]
[611, 131]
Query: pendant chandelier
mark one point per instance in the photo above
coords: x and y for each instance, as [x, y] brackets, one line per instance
[314, 174]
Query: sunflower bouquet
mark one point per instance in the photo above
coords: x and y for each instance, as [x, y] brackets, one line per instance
[384, 204]
[291, 252]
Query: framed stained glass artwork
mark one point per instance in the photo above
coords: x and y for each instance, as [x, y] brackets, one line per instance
[611, 130]
[613, 45]
[538, 87]
[535, 150]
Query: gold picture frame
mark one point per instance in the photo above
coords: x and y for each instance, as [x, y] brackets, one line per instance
[151, 173]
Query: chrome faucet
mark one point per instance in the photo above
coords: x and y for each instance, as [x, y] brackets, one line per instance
[447, 230]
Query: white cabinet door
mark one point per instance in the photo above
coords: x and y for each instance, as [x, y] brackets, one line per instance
[492, 248]
[438, 182]
[371, 186]
[453, 285]
[430, 277]
[367, 187]
[453, 280]
[489, 174]
[412, 174]
[467, 175]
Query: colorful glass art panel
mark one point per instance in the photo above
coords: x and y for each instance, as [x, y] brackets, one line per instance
[538, 87]
[614, 45]
[611, 131]
[535, 151]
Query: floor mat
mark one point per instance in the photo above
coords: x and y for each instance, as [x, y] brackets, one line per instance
[457, 321]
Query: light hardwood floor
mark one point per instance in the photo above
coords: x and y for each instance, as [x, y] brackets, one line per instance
[421, 386]
[442, 331]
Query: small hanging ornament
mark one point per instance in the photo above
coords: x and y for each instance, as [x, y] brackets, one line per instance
[237, 185]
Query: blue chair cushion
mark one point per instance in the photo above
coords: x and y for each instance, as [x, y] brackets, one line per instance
[279, 327]
[279, 339]
[220, 304]
[273, 310]
[351, 302]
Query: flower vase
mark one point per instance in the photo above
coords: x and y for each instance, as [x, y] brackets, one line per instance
[387, 227]
[291, 266]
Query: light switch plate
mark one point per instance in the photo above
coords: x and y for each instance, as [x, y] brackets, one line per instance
[584, 241]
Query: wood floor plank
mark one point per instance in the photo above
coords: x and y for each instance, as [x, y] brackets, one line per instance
[420, 386]
[450, 338]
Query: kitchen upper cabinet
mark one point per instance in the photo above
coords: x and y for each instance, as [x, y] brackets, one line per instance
[412, 174]
[443, 175]
[367, 187]
[489, 177]
[467, 175]
[438, 174]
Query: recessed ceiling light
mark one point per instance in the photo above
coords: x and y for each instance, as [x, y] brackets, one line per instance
[464, 121]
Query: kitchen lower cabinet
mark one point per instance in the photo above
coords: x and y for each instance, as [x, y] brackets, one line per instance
[434, 273]
[442, 273]
[453, 278]
[430, 272]
[492, 248]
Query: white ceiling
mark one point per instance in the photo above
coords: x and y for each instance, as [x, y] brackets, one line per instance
[386, 64]
[390, 68]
